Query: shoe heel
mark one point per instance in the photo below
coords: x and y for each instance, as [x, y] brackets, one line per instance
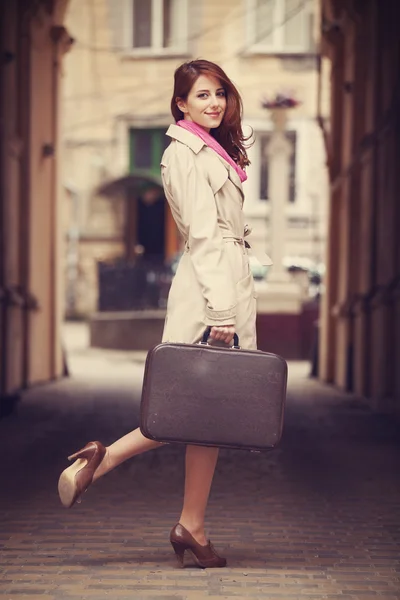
[179, 550]
[92, 450]
[75, 456]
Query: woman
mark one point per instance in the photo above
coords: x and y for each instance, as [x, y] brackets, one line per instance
[202, 173]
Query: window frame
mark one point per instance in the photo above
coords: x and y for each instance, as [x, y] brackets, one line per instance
[156, 49]
[306, 130]
[158, 142]
[278, 45]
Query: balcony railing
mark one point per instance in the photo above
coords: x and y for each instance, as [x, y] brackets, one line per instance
[126, 286]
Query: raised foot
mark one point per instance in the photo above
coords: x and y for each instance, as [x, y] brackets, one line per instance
[77, 478]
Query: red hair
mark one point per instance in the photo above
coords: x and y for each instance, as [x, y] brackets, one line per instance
[229, 134]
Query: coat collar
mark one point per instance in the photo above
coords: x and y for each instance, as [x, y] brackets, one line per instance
[186, 137]
[233, 176]
[196, 144]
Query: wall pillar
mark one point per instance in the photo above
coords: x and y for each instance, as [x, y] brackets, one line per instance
[12, 292]
[385, 265]
[44, 245]
[365, 105]
[334, 42]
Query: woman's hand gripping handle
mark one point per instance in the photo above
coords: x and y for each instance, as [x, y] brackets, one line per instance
[222, 333]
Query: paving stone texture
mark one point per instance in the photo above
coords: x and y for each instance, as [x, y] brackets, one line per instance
[317, 518]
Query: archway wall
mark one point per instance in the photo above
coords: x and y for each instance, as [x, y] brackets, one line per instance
[31, 300]
[360, 328]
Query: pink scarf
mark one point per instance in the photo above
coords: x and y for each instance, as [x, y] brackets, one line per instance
[213, 144]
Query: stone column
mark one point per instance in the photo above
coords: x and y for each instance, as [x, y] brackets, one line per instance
[279, 152]
[280, 294]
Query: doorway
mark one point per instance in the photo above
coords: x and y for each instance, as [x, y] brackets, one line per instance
[145, 223]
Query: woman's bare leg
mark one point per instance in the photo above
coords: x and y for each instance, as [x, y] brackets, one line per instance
[200, 465]
[129, 445]
[199, 471]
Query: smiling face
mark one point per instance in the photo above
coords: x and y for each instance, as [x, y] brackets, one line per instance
[205, 103]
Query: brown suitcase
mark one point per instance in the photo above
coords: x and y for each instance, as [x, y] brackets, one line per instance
[213, 396]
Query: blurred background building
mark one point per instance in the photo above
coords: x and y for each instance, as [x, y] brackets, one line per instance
[117, 88]
[114, 109]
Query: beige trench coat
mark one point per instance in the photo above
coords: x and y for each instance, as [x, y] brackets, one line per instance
[213, 284]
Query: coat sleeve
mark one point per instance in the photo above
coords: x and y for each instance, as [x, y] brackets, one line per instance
[194, 198]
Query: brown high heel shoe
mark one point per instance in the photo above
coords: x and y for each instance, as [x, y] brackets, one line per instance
[205, 556]
[75, 480]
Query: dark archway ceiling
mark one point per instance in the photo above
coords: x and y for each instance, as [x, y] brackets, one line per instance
[136, 181]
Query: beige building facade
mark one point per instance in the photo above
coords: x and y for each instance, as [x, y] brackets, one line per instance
[116, 94]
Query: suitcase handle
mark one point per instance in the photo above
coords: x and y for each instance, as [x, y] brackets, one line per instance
[206, 335]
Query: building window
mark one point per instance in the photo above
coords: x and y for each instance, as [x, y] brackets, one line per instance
[279, 26]
[156, 26]
[264, 139]
[146, 149]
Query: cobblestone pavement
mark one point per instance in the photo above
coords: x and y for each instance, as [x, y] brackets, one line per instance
[317, 518]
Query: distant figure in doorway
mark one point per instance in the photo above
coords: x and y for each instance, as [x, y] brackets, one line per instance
[151, 233]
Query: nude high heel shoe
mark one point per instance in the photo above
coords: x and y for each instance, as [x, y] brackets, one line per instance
[205, 556]
[77, 478]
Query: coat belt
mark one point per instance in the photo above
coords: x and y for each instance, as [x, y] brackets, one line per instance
[233, 238]
[227, 238]
[262, 257]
